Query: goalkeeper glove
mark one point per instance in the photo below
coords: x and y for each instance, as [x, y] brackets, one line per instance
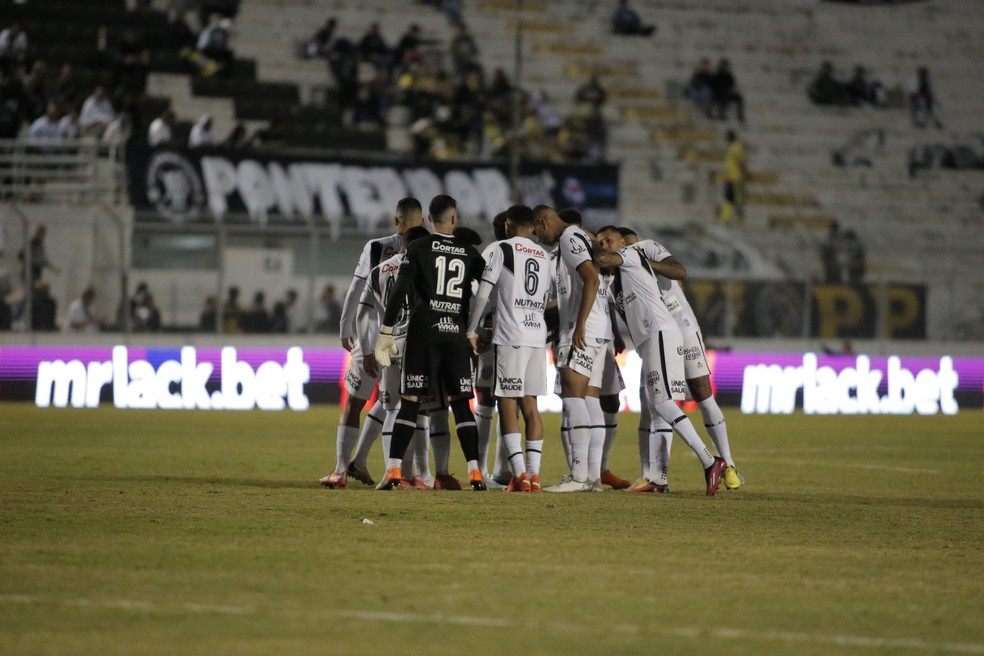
[385, 346]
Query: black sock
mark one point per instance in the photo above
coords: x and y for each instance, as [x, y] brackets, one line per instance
[403, 429]
[464, 426]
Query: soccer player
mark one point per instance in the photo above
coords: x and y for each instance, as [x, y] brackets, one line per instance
[658, 341]
[484, 398]
[585, 332]
[378, 286]
[696, 370]
[439, 271]
[358, 382]
[520, 271]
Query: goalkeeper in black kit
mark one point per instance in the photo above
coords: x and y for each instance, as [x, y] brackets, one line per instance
[437, 273]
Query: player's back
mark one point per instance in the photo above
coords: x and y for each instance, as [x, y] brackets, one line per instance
[443, 269]
[637, 296]
[523, 272]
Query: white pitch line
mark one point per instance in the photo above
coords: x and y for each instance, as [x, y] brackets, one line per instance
[682, 632]
[127, 604]
[559, 627]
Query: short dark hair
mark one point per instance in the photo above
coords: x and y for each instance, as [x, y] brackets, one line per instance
[408, 205]
[608, 227]
[626, 232]
[520, 215]
[499, 226]
[467, 236]
[570, 216]
[415, 233]
[540, 209]
[439, 205]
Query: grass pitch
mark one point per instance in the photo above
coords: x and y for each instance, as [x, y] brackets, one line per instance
[146, 532]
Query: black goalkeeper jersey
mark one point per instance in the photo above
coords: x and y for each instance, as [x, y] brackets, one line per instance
[439, 272]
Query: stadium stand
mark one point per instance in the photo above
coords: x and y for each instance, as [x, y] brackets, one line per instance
[915, 228]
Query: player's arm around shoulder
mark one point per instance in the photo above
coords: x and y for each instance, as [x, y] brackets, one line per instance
[606, 259]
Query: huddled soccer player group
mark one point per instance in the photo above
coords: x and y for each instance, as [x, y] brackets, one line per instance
[434, 323]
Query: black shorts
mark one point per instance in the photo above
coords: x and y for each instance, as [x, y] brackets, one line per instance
[436, 362]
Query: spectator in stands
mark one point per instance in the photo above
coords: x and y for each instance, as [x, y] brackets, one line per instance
[269, 136]
[209, 315]
[700, 87]
[735, 180]
[201, 133]
[231, 312]
[724, 90]
[65, 87]
[862, 92]
[45, 129]
[591, 94]
[830, 255]
[44, 308]
[237, 137]
[130, 58]
[146, 316]
[256, 319]
[35, 87]
[373, 48]
[82, 317]
[854, 258]
[97, 113]
[329, 311]
[119, 130]
[826, 89]
[213, 41]
[160, 132]
[320, 44]
[281, 320]
[13, 43]
[922, 99]
[464, 51]
[69, 127]
[469, 103]
[39, 256]
[408, 47]
[628, 22]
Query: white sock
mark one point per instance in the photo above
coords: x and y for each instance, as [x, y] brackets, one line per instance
[611, 430]
[483, 424]
[514, 442]
[371, 428]
[565, 435]
[440, 438]
[682, 426]
[421, 448]
[660, 439]
[596, 444]
[388, 435]
[501, 452]
[645, 428]
[344, 443]
[534, 451]
[716, 427]
[472, 464]
[580, 436]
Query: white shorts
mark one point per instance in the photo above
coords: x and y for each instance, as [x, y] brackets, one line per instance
[662, 366]
[389, 386]
[611, 379]
[520, 371]
[485, 369]
[695, 359]
[358, 383]
[588, 362]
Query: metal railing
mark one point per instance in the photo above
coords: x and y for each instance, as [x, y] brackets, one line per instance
[59, 170]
